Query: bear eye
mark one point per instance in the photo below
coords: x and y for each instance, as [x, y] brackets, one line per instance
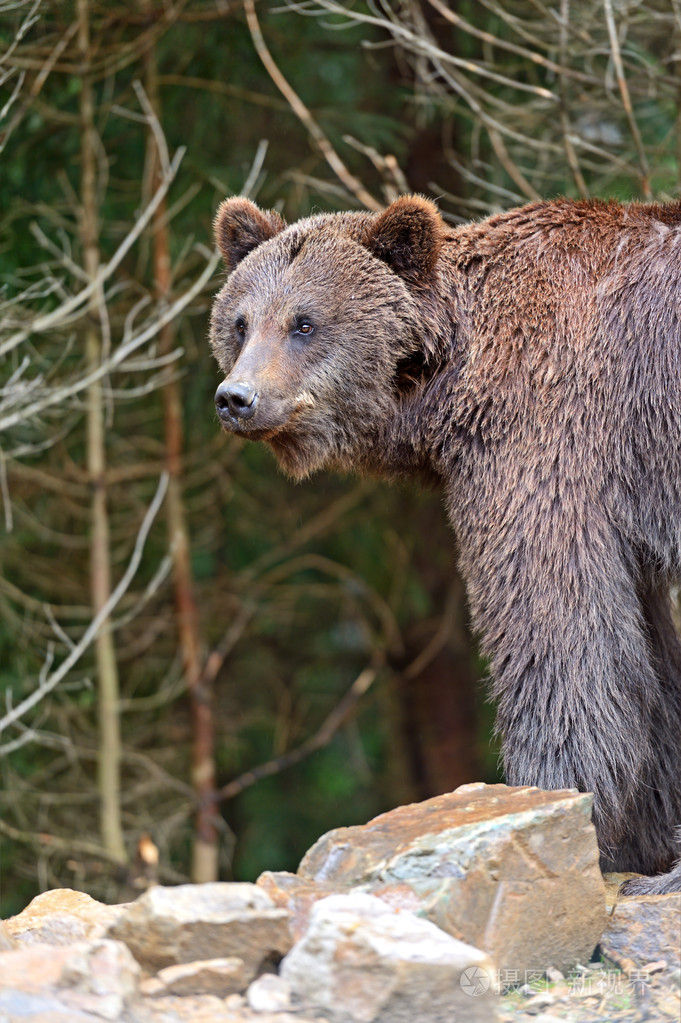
[240, 326]
[304, 328]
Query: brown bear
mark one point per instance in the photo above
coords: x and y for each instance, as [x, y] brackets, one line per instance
[530, 364]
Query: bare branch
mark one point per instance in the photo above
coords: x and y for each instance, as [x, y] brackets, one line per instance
[51, 681]
[353, 184]
[321, 737]
[118, 356]
[250, 183]
[40, 79]
[58, 316]
[570, 154]
[626, 99]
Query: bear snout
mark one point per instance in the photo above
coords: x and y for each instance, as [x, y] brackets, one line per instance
[236, 400]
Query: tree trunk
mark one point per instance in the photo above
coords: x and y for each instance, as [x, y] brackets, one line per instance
[205, 845]
[100, 567]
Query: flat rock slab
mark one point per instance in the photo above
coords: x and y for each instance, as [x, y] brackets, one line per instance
[167, 926]
[362, 962]
[513, 871]
[220, 977]
[644, 929]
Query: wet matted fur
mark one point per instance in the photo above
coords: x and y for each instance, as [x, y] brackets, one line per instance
[529, 364]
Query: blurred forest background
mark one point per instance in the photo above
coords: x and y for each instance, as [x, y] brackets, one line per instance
[200, 661]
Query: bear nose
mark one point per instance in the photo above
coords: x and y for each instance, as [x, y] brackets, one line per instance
[240, 399]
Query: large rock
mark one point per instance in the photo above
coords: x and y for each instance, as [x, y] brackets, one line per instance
[514, 871]
[362, 962]
[166, 926]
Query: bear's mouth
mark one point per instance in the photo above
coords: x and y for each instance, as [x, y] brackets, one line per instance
[233, 425]
[253, 428]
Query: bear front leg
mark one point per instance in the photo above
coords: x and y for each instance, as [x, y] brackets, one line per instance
[553, 595]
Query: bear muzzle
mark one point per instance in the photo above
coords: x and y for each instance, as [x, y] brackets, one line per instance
[235, 402]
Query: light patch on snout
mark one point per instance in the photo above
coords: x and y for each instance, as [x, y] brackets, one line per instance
[304, 398]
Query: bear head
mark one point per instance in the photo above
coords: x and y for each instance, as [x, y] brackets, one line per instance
[319, 324]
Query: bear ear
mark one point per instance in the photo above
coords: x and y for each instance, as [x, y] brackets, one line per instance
[240, 226]
[408, 237]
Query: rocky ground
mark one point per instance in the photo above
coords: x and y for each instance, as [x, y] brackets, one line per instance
[480, 905]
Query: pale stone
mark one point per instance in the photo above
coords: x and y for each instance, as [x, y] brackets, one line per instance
[103, 975]
[269, 993]
[6, 940]
[235, 1001]
[20, 1007]
[166, 926]
[514, 871]
[362, 962]
[60, 917]
[32, 968]
[99, 978]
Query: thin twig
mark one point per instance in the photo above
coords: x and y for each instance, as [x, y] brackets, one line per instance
[53, 319]
[58, 395]
[51, 681]
[570, 154]
[69, 845]
[353, 184]
[321, 738]
[509, 165]
[254, 173]
[626, 99]
[40, 79]
[495, 40]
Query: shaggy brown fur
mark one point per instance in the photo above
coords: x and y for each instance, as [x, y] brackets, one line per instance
[531, 363]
